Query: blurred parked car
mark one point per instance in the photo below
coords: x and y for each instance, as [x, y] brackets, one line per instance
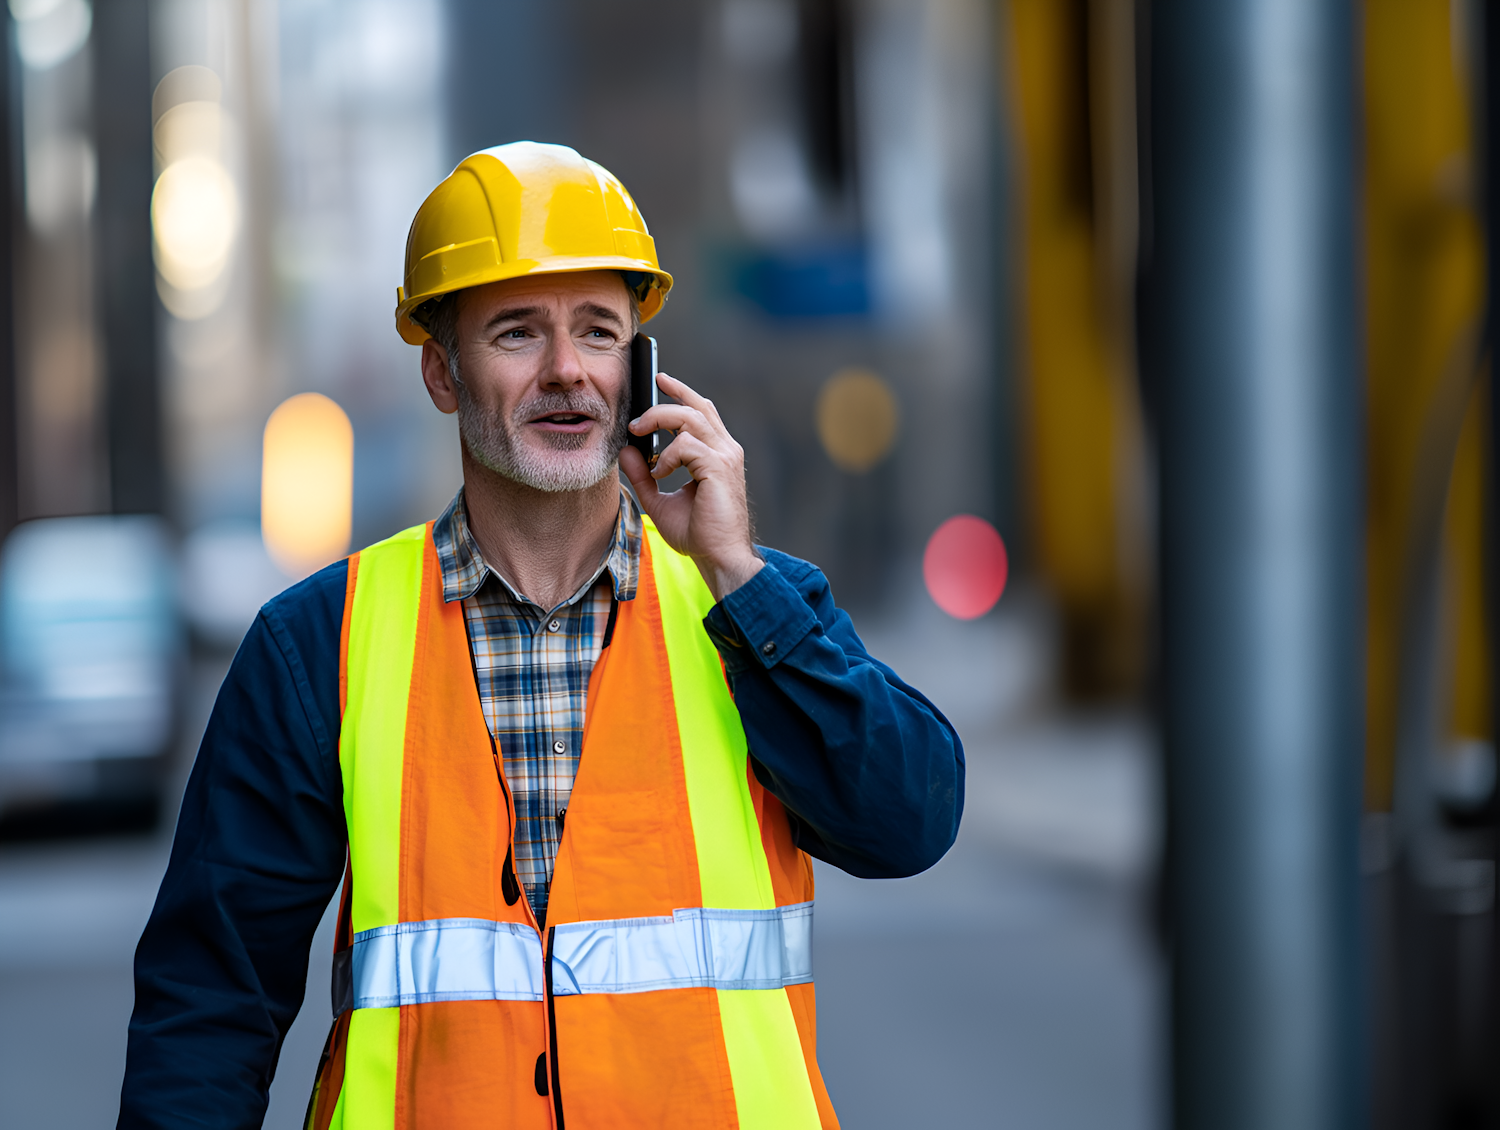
[90, 662]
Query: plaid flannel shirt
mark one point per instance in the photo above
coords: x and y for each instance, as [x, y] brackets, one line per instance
[533, 667]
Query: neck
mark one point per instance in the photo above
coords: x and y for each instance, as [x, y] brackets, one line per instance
[545, 544]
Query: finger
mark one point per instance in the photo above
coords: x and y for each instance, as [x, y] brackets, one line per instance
[633, 463]
[657, 416]
[679, 391]
[668, 461]
[701, 459]
[674, 418]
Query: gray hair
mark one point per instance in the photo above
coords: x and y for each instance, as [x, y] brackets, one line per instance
[439, 317]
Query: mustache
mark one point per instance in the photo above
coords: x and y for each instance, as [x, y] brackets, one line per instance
[574, 402]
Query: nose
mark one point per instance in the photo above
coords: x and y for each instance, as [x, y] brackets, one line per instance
[565, 365]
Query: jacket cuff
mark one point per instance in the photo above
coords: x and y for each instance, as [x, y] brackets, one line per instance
[759, 622]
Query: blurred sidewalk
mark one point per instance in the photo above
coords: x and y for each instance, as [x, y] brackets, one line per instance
[1016, 984]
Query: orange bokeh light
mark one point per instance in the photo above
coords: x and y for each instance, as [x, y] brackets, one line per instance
[307, 484]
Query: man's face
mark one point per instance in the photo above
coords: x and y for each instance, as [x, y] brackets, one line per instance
[544, 368]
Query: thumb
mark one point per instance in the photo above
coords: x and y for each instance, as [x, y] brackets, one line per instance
[633, 463]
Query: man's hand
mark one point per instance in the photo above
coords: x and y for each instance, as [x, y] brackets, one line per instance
[709, 518]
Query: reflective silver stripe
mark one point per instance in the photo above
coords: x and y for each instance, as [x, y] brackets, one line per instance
[447, 959]
[469, 959]
[725, 949]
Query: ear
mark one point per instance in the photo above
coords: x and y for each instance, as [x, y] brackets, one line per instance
[437, 378]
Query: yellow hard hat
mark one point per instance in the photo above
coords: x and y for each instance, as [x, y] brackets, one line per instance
[525, 209]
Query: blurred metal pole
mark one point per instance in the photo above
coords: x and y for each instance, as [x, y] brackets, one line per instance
[126, 277]
[1252, 314]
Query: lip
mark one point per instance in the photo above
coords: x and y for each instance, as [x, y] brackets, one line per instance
[579, 425]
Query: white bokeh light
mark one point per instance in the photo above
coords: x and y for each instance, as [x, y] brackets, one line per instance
[50, 31]
[195, 215]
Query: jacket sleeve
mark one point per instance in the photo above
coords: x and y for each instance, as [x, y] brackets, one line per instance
[870, 772]
[259, 850]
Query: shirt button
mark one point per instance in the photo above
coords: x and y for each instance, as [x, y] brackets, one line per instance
[559, 747]
[554, 626]
[768, 648]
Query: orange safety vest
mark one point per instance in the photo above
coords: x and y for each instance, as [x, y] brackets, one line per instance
[673, 985]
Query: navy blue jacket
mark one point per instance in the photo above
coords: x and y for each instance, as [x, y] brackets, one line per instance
[870, 772]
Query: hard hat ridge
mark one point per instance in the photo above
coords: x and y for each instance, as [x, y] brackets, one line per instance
[525, 209]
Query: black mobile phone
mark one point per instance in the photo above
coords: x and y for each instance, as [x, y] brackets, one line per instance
[643, 394]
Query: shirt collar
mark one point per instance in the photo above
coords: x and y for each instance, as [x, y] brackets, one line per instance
[465, 569]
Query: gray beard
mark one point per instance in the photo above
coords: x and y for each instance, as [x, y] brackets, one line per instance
[495, 442]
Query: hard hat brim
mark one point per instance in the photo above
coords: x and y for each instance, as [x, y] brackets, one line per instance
[650, 305]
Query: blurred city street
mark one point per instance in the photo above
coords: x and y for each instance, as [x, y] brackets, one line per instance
[1016, 984]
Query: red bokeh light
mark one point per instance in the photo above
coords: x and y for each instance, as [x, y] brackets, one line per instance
[965, 566]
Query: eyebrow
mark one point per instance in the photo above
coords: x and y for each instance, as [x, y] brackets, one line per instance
[516, 313]
[603, 313]
[512, 314]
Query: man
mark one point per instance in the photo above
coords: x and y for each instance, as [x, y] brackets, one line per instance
[569, 760]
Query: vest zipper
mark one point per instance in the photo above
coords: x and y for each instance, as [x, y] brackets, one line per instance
[556, 1088]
